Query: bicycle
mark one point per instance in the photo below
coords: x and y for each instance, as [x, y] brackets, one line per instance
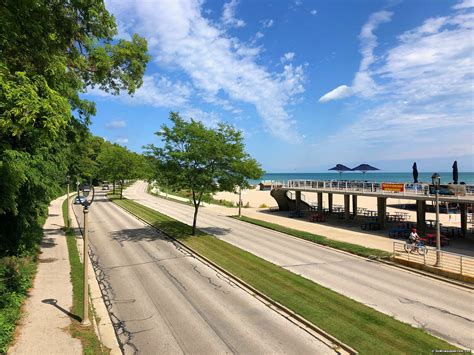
[419, 247]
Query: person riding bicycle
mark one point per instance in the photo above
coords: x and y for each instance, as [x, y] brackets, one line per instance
[414, 238]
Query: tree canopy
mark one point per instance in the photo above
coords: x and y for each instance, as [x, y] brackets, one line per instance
[202, 160]
[50, 53]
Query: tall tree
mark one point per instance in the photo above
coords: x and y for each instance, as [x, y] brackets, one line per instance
[202, 160]
[50, 53]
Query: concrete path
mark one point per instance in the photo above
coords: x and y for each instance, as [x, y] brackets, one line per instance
[44, 328]
[440, 308]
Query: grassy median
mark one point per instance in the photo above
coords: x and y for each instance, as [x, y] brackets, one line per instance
[89, 340]
[363, 328]
[349, 247]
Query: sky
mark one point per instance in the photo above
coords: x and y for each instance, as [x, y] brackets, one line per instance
[309, 83]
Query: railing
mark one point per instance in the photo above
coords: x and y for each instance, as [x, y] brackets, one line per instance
[362, 186]
[452, 262]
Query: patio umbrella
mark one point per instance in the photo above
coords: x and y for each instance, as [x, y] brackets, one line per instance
[340, 168]
[455, 172]
[415, 173]
[364, 168]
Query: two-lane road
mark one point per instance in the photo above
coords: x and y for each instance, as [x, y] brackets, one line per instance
[164, 301]
[440, 308]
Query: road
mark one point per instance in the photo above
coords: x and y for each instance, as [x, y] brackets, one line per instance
[442, 309]
[164, 301]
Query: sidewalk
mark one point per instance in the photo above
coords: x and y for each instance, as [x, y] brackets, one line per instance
[43, 329]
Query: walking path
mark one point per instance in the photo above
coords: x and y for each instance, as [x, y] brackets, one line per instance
[43, 330]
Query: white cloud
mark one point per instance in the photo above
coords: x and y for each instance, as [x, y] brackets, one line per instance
[363, 84]
[228, 14]
[465, 4]
[121, 140]
[116, 124]
[178, 35]
[424, 103]
[313, 12]
[287, 57]
[338, 93]
[267, 23]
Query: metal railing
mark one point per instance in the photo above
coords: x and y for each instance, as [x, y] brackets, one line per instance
[362, 186]
[452, 262]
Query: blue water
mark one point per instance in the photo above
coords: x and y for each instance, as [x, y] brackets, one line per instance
[446, 177]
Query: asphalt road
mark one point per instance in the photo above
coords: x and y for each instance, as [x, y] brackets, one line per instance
[164, 301]
[440, 308]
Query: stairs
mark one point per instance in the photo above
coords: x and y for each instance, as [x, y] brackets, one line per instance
[287, 201]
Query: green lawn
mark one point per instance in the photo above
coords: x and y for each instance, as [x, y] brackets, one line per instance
[90, 341]
[349, 247]
[363, 328]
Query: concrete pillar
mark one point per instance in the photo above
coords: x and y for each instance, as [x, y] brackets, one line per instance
[330, 203]
[421, 215]
[381, 210]
[298, 200]
[320, 202]
[354, 205]
[463, 210]
[347, 206]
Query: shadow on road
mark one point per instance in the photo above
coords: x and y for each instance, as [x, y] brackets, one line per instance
[136, 235]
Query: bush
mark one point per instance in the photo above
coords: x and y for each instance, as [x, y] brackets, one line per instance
[263, 206]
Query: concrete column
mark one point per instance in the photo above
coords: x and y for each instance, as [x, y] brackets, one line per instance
[354, 205]
[463, 210]
[421, 215]
[298, 200]
[381, 210]
[347, 206]
[330, 203]
[320, 202]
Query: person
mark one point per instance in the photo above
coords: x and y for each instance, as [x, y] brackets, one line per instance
[414, 238]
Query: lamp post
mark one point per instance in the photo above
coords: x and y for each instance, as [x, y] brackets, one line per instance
[86, 203]
[68, 179]
[435, 179]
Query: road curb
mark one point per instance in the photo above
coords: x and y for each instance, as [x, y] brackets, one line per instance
[336, 345]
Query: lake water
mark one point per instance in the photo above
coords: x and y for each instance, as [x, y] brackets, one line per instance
[446, 177]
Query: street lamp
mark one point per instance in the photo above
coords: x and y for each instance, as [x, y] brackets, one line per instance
[436, 179]
[86, 203]
[68, 180]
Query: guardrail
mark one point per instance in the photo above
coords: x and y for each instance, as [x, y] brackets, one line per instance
[362, 186]
[462, 265]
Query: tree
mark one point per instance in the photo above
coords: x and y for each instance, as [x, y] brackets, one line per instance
[50, 53]
[202, 160]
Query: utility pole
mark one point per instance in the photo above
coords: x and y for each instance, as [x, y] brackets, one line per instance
[67, 203]
[85, 259]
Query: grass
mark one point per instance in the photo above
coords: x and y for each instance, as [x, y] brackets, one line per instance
[86, 334]
[357, 325]
[349, 247]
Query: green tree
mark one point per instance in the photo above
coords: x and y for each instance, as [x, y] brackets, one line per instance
[50, 53]
[202, 160]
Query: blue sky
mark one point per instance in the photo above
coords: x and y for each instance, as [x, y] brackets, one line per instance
[310, 83]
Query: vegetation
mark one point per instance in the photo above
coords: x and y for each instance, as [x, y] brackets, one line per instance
[202, 160]
[50, 53]
[90, 342]
[357, 325]
[349, 247]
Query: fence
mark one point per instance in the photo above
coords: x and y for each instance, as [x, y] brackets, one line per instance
[458, 264]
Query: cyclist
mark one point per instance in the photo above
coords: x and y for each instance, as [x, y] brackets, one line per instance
[414, 238]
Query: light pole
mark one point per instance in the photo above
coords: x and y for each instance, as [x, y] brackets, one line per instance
[435, 179]
[68, 179]
[240, 201]
[86, 203]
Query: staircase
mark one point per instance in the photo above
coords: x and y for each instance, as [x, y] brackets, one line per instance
[287, 201]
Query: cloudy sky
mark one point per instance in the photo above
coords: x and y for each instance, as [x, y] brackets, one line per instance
[310, 83]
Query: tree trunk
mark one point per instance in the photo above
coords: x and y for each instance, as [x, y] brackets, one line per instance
[113, 188]
[196, 207]
[121, 189]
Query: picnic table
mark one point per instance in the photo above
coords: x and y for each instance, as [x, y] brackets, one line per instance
[372, 226]
[430, 239]
[317, 217]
